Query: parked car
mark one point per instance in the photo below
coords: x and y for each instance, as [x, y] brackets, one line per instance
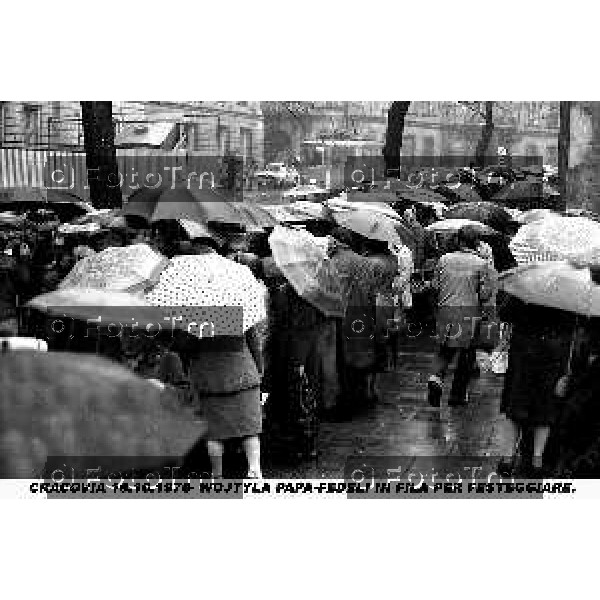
[279, 173]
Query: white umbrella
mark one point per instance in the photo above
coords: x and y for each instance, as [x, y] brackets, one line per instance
[457, 224]
[560, 238]
[557, 284]
[124, 269]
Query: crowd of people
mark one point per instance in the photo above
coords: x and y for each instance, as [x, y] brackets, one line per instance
[295, 365]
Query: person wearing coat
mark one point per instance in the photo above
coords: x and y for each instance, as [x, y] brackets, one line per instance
[464, 283]
[546, 350]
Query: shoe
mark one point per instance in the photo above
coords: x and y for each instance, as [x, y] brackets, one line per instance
[434, 393]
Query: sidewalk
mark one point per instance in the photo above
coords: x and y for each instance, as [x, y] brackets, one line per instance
[403, 424]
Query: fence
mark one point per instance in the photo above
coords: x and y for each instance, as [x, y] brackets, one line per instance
[22, 168]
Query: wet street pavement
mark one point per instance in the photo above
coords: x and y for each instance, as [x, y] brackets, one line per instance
[402, 424]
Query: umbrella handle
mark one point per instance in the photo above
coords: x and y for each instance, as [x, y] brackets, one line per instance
[572, 347]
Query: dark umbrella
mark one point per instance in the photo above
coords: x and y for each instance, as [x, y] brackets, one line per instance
[418, 195]
[459, 192]
[485, 212]
[202, 205]
[525, 194]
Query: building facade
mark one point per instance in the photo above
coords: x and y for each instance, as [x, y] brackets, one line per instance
[211, 128]
[431, 128]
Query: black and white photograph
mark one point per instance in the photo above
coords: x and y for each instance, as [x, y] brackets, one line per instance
[325, 299]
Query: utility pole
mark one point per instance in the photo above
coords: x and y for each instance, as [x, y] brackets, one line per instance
[564, 139]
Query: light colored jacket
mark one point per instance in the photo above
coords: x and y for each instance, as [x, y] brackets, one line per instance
[464, 279]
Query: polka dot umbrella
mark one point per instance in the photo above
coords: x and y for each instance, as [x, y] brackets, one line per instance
[210, 289]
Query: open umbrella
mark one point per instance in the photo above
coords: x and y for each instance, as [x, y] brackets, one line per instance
[210, 289]
[558, 238]
[120, 269]
[205, 205]
[453, 225]
[560, 285]
[528, 193]
[536, 214]
[371, 225]
[302, 259]
[84, 304]
[421, 194]
[60, 405]
[485, 212]
[459, 192]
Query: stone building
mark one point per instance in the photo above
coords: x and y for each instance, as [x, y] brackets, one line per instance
[431, 128]
[211, 128]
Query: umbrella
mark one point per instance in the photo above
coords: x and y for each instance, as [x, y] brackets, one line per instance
[312, 210]
[371, 225]
[337, 204]
[459, 192]
[100, 308]
[195, 230]
[536, 214]
[518, 194]
[560, 285]
[418, 195]
[406, 236]
[210, 289]
[103, 217]
[63, 405]
[453, 225]
[568, 238]
[204, 205]
[485, 212]
[123, 269]
[302, 259]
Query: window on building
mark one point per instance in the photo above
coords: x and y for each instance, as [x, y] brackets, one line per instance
[2, 123]
[33, 125]
[428, 145]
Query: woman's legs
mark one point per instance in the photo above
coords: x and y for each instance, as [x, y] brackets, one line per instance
[540, 437]
[215, 452]
[252, 449]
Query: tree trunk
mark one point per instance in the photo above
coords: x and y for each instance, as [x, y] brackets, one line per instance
[486, 136]
[393, 138]
[101, 156]
[564, 139]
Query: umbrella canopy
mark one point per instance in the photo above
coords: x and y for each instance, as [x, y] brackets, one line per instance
[103, 217]
[485, 212]
[459, 193]
[210, 289]
[205, 205]
[559, 238]
[59, 404]
[302, 259]
[452, 225]
[404, 232]
[521, 193]
[421, 194]
[121, 269]
[91, 304]
[559, 285]
[536, 214]
[370, 225]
